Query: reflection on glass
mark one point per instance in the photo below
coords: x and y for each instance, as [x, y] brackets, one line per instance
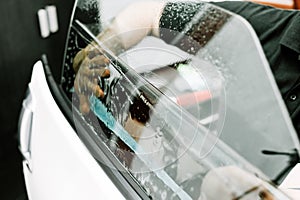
[162, 120]
[169, 152]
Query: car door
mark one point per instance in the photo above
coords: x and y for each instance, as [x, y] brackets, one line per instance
[143, 140]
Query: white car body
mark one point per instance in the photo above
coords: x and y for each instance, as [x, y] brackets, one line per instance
[57, 159]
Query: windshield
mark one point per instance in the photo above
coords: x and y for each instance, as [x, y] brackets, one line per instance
[181, 120]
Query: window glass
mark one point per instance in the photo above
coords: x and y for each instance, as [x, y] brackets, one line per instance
[179, 120]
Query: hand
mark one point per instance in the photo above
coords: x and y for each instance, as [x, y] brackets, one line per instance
[231, 182]
[89, 64]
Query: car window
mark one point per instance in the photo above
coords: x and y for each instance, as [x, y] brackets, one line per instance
[171, 116]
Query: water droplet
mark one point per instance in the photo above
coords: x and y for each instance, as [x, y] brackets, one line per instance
[164, 195]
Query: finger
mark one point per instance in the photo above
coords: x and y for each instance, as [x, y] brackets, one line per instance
[97, 91]
[90, 86]
[93, 52]
[102, 72]
[100, 61]
[85, 84]
[106, 73]
[95, 67]
[80, 56]
[84, 105]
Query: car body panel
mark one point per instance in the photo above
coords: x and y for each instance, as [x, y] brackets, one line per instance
[61, 166]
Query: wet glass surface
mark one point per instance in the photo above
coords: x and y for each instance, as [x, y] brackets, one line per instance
[162, 115]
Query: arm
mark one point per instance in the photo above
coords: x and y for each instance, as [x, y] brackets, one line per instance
[133, 24]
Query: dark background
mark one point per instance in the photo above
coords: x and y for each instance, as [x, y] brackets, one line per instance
[21, 46]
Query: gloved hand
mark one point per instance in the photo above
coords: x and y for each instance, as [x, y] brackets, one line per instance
[231, 182]
[89, 65]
